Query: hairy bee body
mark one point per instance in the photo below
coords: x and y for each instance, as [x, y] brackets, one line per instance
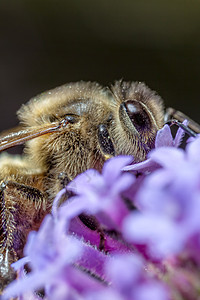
[85, 124]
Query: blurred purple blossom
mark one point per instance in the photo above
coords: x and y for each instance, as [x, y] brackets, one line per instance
[129, 279]
[169, 202]
[143, 230]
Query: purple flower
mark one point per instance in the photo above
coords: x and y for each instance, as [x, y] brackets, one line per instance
[49, 251]
[169, 202]
[155, 216]
[103, 191]
[128, 280]
[127, 275]
[164, 138]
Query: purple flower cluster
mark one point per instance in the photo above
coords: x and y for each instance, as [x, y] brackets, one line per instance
[142, 240]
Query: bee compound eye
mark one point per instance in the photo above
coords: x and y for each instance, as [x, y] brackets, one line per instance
[137, 114]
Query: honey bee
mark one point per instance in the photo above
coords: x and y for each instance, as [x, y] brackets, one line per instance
[66, 131]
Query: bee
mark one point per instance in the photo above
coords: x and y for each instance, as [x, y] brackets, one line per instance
[66, 131]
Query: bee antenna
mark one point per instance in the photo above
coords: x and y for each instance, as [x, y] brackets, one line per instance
[189, 131]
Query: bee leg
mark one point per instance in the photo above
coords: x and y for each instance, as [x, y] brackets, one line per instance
[129, 204]
[63, 181]
[102, 240]
[20, 208]
[7, 254]
[92, 223]
[176, 117]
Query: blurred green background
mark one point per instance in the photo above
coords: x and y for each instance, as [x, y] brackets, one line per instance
[44, 44]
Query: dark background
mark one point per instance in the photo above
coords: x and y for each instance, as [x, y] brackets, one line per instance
[44, 44]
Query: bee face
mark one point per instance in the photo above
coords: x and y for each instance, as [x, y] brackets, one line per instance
[102, 123]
